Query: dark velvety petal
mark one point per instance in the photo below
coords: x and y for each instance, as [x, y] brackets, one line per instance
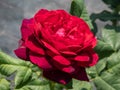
[57, 76]
[34, 45]
[26, 29]
[40, 61]
[21, 52]
[80, 74]
[63, 64]
[74, 48]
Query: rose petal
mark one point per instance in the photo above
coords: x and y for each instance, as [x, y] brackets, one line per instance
[58, 45]
[68, 69]
[26, 29]
[34, 45]
[94, 42]
[41, 13]
[68, 53]
[21, 52]
[80, 74]
[57, 76]
[40, 61]
[74, 47]
[48, 46]
[82, 58]
[61, 60]
[93, 58]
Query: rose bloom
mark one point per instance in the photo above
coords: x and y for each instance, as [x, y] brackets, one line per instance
[58, 43]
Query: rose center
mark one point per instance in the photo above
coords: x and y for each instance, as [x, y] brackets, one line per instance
[61, 32]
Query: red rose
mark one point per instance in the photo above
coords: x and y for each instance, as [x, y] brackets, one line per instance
[60, 44]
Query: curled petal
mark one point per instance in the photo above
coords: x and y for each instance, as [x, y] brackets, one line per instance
[82, 58]
[40, 61]
[61, 60]
[21, 52]
[68, 53]
[48, 46]
[95, 59]
[34, 46]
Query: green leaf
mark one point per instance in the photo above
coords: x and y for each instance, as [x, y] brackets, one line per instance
[106, 74]
[102, 47]
[109, 43]
[105, 16]
[37, 84]
[86, 17]
[97, 70]
[69, 85]
[59, 87]
[111, 35]
[9, 65]
[78, 9]
[81, 85]
[22, 76]
[112, 3]
[1, 76]
[4, 84]
[110, 78]
[24, 71]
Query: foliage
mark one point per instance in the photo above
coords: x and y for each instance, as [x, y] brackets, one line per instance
[17, 74]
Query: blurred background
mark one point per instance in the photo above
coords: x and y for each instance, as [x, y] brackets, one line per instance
[13, 11]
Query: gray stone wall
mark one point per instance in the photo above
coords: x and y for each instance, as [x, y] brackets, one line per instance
[13, 11]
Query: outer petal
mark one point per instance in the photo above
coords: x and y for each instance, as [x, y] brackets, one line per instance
[26, 28]
[21, 52]
[95, 59]
[57, 76]
[40, 61]
[41, 13]
[80, 74]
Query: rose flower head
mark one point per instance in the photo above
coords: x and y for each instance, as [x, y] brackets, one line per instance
[58, 43]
